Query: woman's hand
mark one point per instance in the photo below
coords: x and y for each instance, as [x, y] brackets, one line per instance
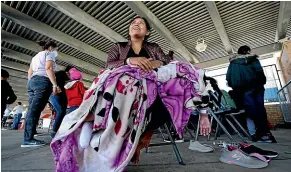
[143, 63]
[55, 90]
[156, 63]
[205, 128]
[59, 90]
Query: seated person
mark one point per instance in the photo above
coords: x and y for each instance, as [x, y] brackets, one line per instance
[127, 102]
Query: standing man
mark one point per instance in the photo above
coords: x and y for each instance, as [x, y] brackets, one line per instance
[17, 111]
[245, 76]
[7, 94]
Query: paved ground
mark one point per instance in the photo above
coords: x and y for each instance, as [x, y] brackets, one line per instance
[159, 159]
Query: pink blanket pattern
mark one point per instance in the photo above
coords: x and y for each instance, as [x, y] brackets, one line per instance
[118, 99]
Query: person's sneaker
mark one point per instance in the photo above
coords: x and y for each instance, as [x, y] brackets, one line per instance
[32, 143]
[176, 139]
[197, 146]
[236, 157]
[253, 149]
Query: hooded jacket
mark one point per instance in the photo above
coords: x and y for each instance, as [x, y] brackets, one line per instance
[245, 72]
[75, 91]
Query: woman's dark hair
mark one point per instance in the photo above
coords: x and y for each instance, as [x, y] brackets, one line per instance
[46, 44]
[244, 50]
[148, 26]
[214, 85]
[68, 68]
[171, 53]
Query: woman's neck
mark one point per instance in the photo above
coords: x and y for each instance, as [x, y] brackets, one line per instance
[136, 42]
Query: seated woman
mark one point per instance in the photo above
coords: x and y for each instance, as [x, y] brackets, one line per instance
[138, 93]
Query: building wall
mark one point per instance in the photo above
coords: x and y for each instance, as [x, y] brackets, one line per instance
[274, 114]
[285, 61]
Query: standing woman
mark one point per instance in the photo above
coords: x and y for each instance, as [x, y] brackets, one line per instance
[41, 83]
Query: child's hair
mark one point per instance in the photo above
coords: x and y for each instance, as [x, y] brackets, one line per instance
[75, 74]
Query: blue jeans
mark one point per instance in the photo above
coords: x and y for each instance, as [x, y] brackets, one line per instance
[251, 126]
[16, 121]
[254, 105]
[71, 109]
[59, 103]
[39, 90]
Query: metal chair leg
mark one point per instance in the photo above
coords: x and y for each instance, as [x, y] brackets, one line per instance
[197, 130]
[241, 127]
[221, 125]
[217, 130]
[234, 128]
[176, 150]
[211, 122]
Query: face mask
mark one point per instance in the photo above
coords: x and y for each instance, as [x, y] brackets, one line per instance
[53, 53]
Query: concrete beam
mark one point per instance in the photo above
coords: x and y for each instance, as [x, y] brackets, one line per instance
[16, 55]
[24, 68]
[13, 65]
[37, 26]
[87, 20]
[216, 19]
[283, 20]
[140, 9]
[21, 42]
[225, 60]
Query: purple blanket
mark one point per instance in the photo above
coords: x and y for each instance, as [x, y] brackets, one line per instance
[117, 101]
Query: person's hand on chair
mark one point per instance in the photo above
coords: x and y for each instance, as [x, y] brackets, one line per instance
[205, 128]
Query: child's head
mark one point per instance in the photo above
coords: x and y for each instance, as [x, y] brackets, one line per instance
[75, 74]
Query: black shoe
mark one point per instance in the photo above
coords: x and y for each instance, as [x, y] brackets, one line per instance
[269, 138]
[254, 138]
[253, 149]
[32, 143]
[176, 139]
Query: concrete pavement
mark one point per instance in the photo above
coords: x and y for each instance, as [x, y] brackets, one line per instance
[158, 159]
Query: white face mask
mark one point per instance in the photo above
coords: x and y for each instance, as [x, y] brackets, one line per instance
[53, 53]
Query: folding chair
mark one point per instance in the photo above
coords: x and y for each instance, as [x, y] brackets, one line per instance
[223, 113]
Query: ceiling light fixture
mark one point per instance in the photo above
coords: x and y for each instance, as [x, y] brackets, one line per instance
[200, 45]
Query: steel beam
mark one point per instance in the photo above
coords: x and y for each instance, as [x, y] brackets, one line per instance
[87, 20]
[37, 26]
[216, 19]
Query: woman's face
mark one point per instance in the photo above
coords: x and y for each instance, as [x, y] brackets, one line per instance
[138, 28]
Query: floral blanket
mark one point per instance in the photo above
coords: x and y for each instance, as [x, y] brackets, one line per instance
[103, 133]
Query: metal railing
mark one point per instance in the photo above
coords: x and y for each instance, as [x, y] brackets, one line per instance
[284, 95]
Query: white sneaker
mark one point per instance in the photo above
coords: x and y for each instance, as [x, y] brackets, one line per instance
[197, 146]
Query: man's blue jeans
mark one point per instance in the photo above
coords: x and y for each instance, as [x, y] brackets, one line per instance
[59, 103]
[16, 121]
[254, 105]
[39, 89]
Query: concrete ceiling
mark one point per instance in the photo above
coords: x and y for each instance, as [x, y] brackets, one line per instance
[85, 30]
